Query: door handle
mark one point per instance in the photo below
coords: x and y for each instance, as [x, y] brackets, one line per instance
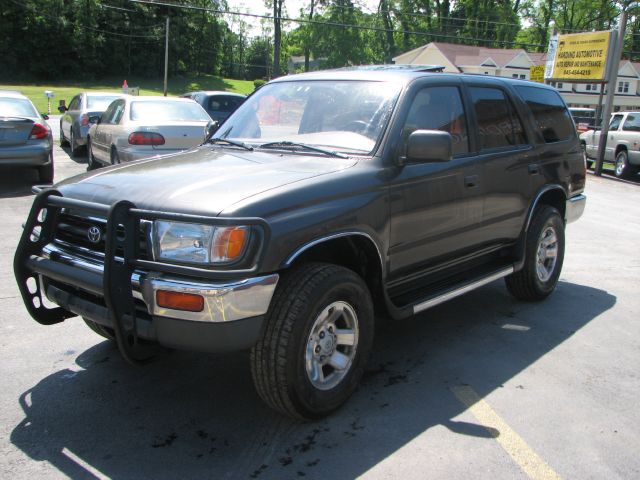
[534, 169]
[471, 181]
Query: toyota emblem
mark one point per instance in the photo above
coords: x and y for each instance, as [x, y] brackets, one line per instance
[94, 234]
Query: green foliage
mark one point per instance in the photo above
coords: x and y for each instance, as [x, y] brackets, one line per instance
[258, 83]
[65, 90]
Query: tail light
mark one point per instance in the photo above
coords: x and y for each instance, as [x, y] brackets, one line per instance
[146, 138]
[38, 132]
[84, 119]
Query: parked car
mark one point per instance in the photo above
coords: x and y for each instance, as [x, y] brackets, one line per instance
[139, 127]
[584, 118]
[74, 123]
[325, 199]
[623, 144]
[218, 104]
[25, 136]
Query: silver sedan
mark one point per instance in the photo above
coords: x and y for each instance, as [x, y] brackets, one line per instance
[74, 123]
[140, 127]
[25, 136]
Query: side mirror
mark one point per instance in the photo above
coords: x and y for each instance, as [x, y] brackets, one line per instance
[45, 116]
[212, 128]
[94, 119]
[62, 109]
[428, 146]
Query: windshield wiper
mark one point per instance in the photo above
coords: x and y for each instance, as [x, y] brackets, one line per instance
[225, 141]
[294, 145]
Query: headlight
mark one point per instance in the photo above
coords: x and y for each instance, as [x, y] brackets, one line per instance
[195, 243]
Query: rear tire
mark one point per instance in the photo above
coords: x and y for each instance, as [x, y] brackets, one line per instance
[115, 158]
[316, 340]
[45, 172]
[105, 332]
[623, 168]
[544, 254]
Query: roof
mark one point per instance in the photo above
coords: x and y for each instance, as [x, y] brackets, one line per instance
[391, 74]
[11, 93]
[467, 55]
[215, 92]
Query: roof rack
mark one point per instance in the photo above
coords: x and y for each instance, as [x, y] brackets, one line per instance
[397, 68]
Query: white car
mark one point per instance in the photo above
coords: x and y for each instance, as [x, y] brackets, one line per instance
[623, 143]
[133, 128]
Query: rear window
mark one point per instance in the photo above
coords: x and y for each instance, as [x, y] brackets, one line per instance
[17, 107]
[221, 103]
[100, 102]
[551, 115]
[168, 112]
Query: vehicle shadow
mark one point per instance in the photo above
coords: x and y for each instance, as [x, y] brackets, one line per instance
[80, 157]
[192, 416]
[17, 182]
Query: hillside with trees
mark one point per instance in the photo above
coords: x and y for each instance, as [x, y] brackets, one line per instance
[91, 39]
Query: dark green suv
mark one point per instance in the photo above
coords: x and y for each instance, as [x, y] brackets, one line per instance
[324, 200]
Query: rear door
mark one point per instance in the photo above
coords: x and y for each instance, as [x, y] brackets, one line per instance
[507, 161]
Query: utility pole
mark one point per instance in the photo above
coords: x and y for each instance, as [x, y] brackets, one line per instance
[166, 58]
[614, 65]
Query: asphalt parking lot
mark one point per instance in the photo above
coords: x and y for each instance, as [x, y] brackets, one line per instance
[483, 386]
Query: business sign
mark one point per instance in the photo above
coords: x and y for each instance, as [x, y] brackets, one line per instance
[536, 74]
[582, 57]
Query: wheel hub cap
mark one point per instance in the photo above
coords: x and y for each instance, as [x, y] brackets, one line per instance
[331, 346]
[547, 254]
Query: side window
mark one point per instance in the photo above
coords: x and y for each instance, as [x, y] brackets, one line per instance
[498, 124]
[439, 108]
[119, 110]
[632, 123]
[615, 122]
[552, 117]
[75, 103]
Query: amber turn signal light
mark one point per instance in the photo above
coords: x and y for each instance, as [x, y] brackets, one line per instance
[188, 302]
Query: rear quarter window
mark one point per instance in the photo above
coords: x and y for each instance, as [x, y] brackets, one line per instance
[550, 113]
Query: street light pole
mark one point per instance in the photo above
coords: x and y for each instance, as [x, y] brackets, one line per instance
[614, 65]
[166, 58]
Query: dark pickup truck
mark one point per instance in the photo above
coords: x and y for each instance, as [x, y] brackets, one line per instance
[324, 200]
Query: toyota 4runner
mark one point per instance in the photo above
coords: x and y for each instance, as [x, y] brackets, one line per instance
[325, 199]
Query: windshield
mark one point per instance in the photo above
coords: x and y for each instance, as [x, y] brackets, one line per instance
[168, 111]
[17, 107]
[100, 103]
[346, 116]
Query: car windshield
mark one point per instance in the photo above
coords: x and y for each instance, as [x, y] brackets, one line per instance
[347, 116]
[100, 102]
[168, 111]
[17, 107]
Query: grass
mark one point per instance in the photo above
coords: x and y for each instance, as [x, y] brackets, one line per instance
[67, 89]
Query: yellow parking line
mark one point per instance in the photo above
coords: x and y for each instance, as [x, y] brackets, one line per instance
[510, 441]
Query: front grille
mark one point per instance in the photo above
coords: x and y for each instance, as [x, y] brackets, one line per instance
[74, 231]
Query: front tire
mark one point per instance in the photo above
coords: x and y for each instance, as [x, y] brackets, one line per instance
[75, 149]
[105, 332]
[544, 254]
[316, 340]
[91, 160]
[115, 158]
[63, 140]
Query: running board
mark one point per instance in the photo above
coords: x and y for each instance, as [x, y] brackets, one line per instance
[456, 292]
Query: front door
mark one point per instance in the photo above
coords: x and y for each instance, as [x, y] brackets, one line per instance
[434, 206]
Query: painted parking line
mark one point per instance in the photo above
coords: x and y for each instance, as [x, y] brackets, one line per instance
[528, 460]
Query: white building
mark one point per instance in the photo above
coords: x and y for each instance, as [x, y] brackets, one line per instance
[515, 63]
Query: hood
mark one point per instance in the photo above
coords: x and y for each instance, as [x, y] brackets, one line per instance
[202, 181]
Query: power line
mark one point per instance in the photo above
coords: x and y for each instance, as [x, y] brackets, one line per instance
[330, 24]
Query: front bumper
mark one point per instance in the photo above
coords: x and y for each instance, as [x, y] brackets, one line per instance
[575, 208]
[118, 290]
